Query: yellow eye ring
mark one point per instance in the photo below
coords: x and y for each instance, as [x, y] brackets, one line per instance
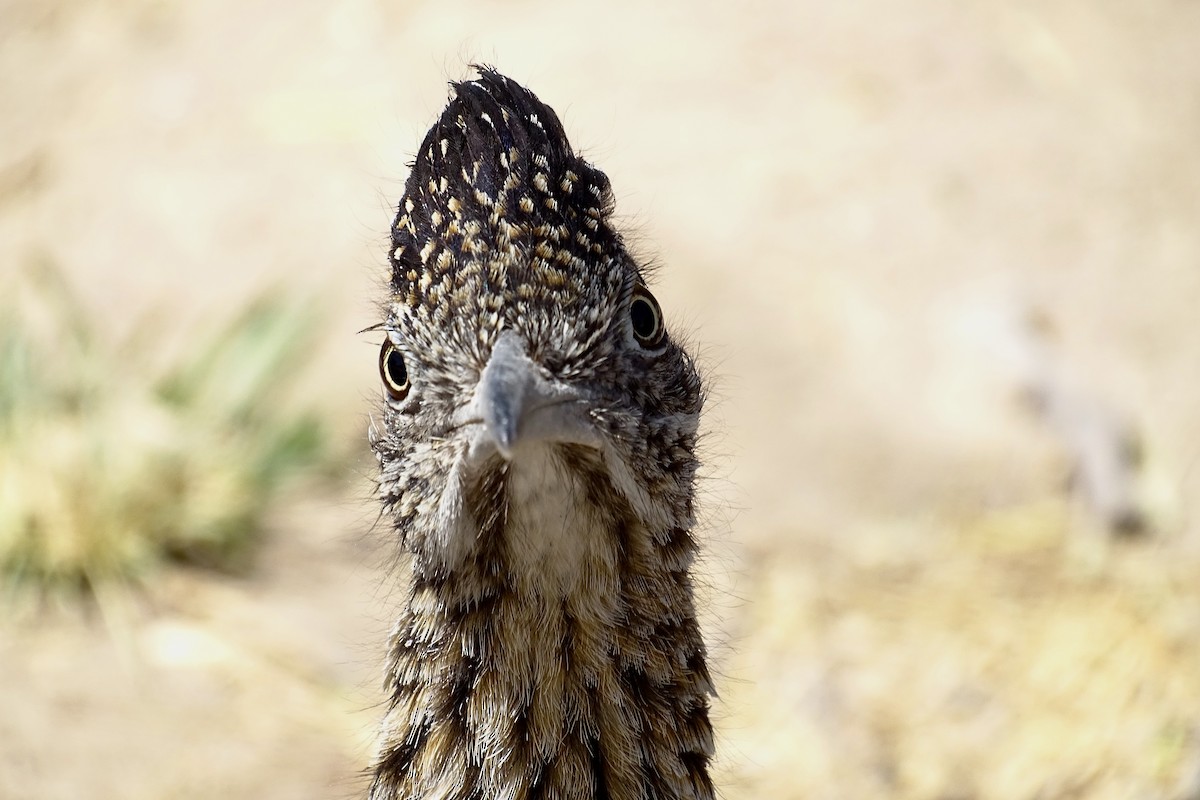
[394, 372]
[645, 318]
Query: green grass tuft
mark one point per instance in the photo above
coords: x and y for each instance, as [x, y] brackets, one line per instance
[109, 465]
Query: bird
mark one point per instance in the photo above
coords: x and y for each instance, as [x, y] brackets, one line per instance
[536, 442]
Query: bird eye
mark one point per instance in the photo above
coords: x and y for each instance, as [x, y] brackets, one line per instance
[646, 318]
[393, 372]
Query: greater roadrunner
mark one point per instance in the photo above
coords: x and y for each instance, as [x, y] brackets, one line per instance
[537, 459]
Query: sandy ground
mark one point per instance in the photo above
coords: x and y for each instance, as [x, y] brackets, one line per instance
[858, 208]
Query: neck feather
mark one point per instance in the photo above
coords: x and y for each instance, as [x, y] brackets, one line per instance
[504, 684]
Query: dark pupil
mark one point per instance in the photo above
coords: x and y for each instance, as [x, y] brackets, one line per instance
[645, 321]
[395, 367]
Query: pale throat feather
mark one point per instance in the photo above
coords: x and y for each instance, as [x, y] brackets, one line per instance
[557, 544]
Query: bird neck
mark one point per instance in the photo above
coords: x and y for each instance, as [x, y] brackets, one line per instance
[506, 679]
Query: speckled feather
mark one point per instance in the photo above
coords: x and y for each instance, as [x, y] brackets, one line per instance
[548, 647]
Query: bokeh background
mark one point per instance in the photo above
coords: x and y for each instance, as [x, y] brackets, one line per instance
[940, 260]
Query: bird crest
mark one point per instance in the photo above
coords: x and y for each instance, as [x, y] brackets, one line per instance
[497, 201]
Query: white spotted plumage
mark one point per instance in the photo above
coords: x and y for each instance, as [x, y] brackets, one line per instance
[540, 474]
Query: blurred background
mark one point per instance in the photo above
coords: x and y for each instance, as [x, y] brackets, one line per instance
[940, 261]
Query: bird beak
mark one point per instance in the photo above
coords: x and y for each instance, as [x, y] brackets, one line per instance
[517, 404]
[503, 390]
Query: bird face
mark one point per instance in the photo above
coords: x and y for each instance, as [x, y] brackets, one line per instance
[532, 390]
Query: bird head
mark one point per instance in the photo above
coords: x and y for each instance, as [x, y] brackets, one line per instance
[525, 357]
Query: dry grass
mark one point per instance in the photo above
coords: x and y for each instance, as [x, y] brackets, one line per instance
[1004, 657]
